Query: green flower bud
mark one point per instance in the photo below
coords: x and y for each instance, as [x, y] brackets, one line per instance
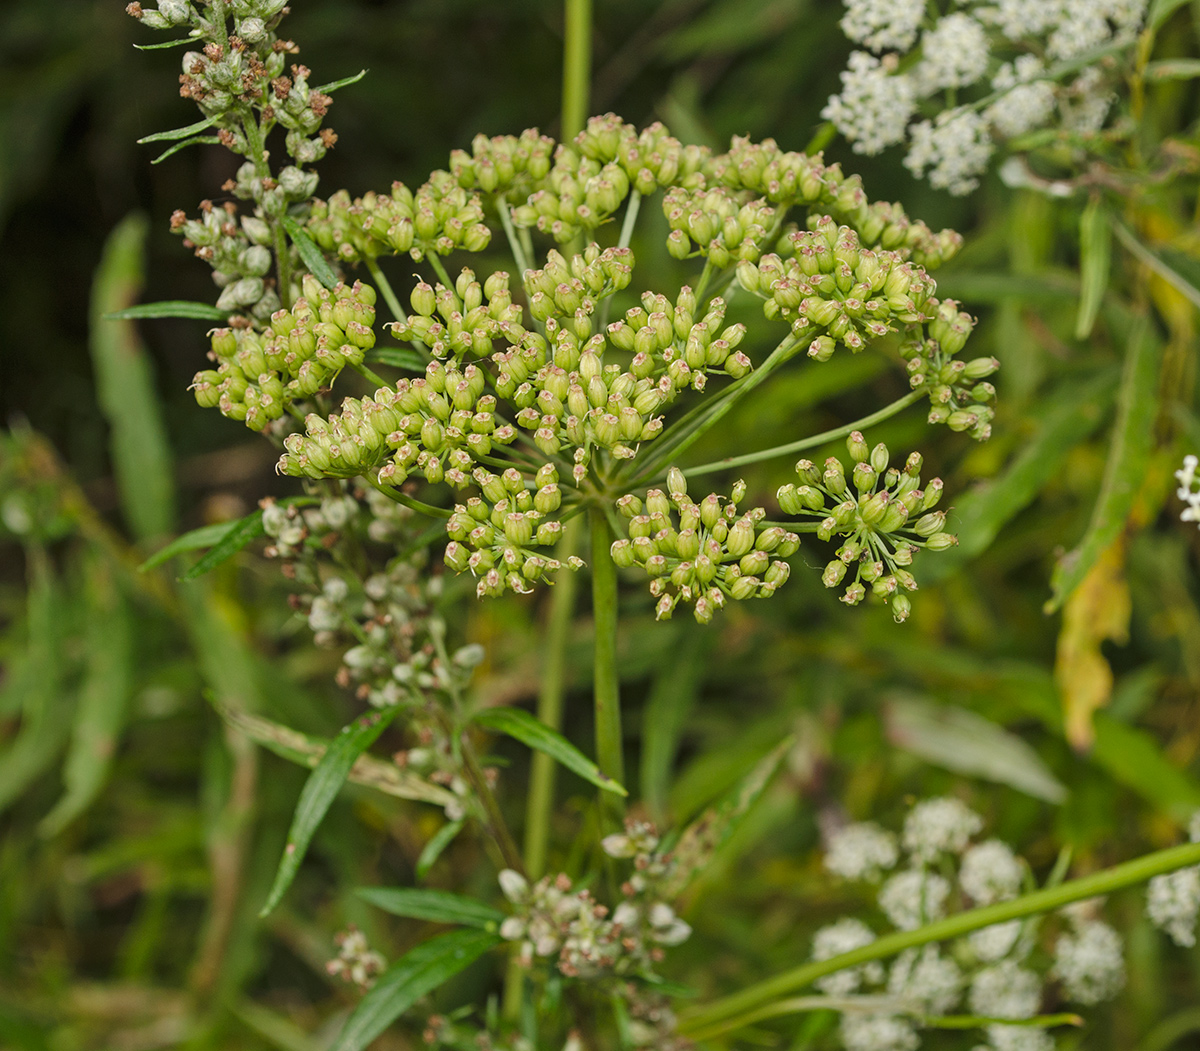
[456, 556]
[941, 541]
[865, 477]
[754, 563]
[807, 472]
[676, 484]
[834, 572]
[657, 503]
[622, 553]
[777, 575]
[930, 524]
[901, 607]
[834, 476]
[740, 539]
[548, 533]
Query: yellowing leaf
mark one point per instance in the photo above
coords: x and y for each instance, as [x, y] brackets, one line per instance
[1096, 611]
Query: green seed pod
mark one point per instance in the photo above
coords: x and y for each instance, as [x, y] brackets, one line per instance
[622, 553]
[456, 556]
[901, 607]
[834, 476]
[941, 541]
[834, 572]
[807, 472]
[754, 563]
[864, 477]
[657, 503]
[740, 540]
[676, 484]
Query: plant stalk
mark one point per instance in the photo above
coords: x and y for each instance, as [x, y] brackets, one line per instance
[550, 706]
[606, 683]
[729, 1013]
[577, 66]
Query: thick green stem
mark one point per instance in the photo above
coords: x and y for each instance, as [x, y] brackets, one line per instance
[514, 245]
[550, 706]
[809, 443]
[577, 66]
[726, 1014]
[385, 290]
[607, 688]
[416, 505]
[370, 376]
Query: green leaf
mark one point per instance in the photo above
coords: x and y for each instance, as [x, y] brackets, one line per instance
[242, 533]
[1135, 758]
[438, 842]
[1095, 246]
[165, 43]
[961, 740]
[1067, 419]
[1128, 456]
[518, 723]
[438, 906]
[1158, 264]
[125, 388]
[1161, 11]
[319, 791]
[671, 699]
[706, 835]
[981, 286]
[178, 133]
[195, 140]
[345, 82]
[1173, 69]
[414, 975]
[313, 258]
[169, 308]
[397, 357]
[103, 698]
[305, 750]
[205, 536]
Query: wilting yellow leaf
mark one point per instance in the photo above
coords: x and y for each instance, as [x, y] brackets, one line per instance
[1097, 610]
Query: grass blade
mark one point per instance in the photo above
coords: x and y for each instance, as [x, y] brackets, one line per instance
[313, 257]
[319, 791]
[125, 387]
[438, 906]
[1095, 247]
[412, 976]
[169, 308]
[515, 722]
[103, 699]
[1125, 470]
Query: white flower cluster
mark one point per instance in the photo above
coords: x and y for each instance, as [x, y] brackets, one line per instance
[994, 43]
[1189, 491]
[585, 937]
[932, 868]
[1173, 900]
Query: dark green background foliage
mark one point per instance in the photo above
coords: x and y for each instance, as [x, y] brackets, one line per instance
[127, 915]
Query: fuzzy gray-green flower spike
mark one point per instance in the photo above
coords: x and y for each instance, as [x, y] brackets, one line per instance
[873, 518]
[702, 553]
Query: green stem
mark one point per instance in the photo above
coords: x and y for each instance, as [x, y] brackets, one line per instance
[439, 269]
[514, 245]
[385, 289]
[369, 375]
[408, 501]
[577, 66]
[727, 1013]
[607, 687]
[283, 256]
[809, 443]
[497, 826]
[631, 215]
[550, 705]
[692, 427]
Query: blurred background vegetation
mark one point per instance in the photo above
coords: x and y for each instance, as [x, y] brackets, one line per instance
[138, 834]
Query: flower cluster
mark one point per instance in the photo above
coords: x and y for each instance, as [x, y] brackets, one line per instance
[440, 217]
[260, 374]
[1189, 491]
[701, 553]
[831, 290]
[999, 48]
[239, 251]
[356, 962]
[927, 872]
[586, 938]
[1173, 900]
[874, 520]
[959, 394]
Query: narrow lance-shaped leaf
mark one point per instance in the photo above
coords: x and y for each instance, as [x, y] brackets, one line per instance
[313, 258]
[319, 791]
[195, 140]
[1095, 248]
[437, 844]
[103, 698]
[125, 385]
[307, 751]
[414, 975]
[345, 82]
[705, 836]
[438, 906]
[205, 536]
[515, 722]
[169, 308]
[1125, 470]
[178, 133]
[244, 532]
